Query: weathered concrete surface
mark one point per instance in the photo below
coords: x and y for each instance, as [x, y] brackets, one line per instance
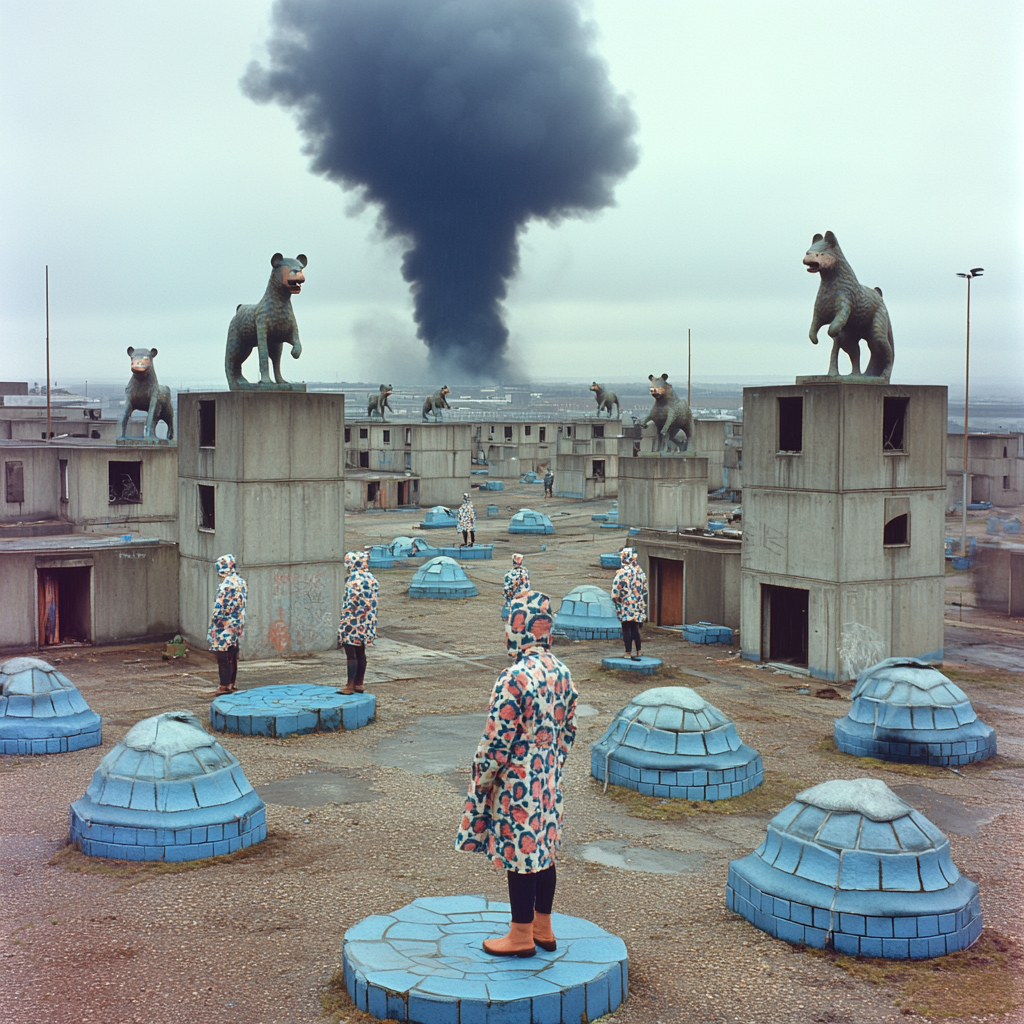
[663, 492]
[317, 789]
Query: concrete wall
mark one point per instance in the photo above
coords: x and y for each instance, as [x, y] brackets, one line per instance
[277, 470]
[999, 578]
[575, 477]
[667, 492]
[390, 491]
[134, 591]
[992, 475]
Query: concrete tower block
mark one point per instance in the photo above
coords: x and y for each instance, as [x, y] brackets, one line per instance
[663, 492]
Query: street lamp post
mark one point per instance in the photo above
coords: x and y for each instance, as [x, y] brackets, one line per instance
[969, 275]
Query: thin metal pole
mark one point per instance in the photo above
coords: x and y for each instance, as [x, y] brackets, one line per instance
[49, 430]
[967, 385]
[687, 365]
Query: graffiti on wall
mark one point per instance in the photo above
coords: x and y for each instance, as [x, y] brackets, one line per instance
[303, 616]
[860, 647]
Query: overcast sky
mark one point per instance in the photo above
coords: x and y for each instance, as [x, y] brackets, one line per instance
[135, 167]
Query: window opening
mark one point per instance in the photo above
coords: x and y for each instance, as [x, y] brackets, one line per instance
[894, 423]
[408, 460]
[63, 472]
[387, 437]
[364, 460]
[528, 430]
[568, 431]
[508, 433]
[363, 433]
[373, 492]
[598, 431]
[598, 469]
[14, 479]
[348, 434]
[408, 435]
[207, 511]
[208, 424]
[542, 434]
[1004, 451]
[791, 424]
[1006, 483]
[124, 482]
[897, 531]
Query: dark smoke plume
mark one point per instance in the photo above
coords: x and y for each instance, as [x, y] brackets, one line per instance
[463, 120]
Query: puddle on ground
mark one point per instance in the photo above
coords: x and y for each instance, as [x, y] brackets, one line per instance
[613, 854]
[433, 745]
[315, 789]
[948, 813]
[586, 710]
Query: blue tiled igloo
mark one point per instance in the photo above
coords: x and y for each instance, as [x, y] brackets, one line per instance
[437, 518]
[414, 547]
[670, 742]
[42, 712]
[441, 577]
[905, 710]
[528, 521]
[167, 792]
[587, 613]
[849, 864]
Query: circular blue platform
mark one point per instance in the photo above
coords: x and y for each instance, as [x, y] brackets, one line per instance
[645, 666]
[611, 560]
[424, 963]
[291, 710]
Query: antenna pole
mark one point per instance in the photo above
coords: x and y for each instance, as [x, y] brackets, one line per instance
[687, 365]
[49, 430]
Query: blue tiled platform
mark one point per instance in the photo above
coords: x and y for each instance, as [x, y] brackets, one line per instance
[669, 742]
[645, 666]
[492, 485]
[611, 560]
[904, 710]
[381, 557]
[442, 578]
[424, 963]
[707, 633]
[438, 518]
[167, 792]
[849, 864]
[291, 710]
[477, 552]
[528, 521]
[587, 613]
[42, 712]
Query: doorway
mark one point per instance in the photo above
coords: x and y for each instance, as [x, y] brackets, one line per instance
[64, 605]
[784, 624]
[669, 591]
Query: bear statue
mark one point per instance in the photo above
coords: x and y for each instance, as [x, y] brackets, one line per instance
[144, 392]
[670, 415]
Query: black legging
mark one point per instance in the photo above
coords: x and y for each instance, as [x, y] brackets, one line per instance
[227, 666]
[472, 537]
[529, 893]
[631, 634]
[355, 655]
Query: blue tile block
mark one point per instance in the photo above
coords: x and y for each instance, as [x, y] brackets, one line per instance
[800, 913]
[574, 1004]
[928, 925]
[376, 1001]
[918, 949]
[879, 927]
[937, 945]
[780, 908]
[904, 927]
[852, 924]
[947, 923]
[597, 998]
[546, 1009]
[896, 948]
[430, 1011]
[815, 937]
[789, 931]
[870, 946]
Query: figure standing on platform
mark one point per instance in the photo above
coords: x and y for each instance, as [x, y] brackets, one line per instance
[549, 483]
[513, 811]
[467, 521]
[517, 580]
[358, 626]
[228, 622]
[629, 595]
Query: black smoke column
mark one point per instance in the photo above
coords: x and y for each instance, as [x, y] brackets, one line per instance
[462, 119]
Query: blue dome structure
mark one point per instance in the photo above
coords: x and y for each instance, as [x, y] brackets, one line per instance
[528, 521]
[437, 518]
[167, 792]
[849, 865]
[413, 547]
[670, 742]
[441, 577]
[42, 712]
[381, 557]
[587, 613]
[905, 710]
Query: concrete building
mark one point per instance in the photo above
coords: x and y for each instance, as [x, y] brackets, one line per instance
[663, 492]
[843, 520]
[261, 476]
[999, 578]
[995, 469]
[23, 417]
[587, 459]
[433, 459]
[513, 447]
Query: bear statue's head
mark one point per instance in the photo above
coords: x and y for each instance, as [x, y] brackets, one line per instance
[142, 360]
[660, 387]
[289, 272]
[444, 390]
[386, 389]
[822, 254]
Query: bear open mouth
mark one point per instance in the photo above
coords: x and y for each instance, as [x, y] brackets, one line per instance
[294, 287]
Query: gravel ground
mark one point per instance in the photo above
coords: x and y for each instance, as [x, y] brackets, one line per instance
[257, 938]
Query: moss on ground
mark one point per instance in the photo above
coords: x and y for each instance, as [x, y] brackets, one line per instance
[974, 983]
[828, 748]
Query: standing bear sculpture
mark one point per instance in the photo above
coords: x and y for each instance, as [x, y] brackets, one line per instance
[379, 402]
[852, 311]
[605, 399]
[267, 326]
[670, 415]
[435, 403]
[144, 392]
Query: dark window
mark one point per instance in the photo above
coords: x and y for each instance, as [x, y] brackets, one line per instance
[542, 434]
[208, 424]
[508, 433]
[387, 437]
[894, 424]
[568, 431]
[408, 434]
[14, 478]
[791, 424]
[598, 469]
[372, 492]
[897, 531]
[1004, 451]
[207, 511]
[62, 470]
[95, 435]
[348, 434]
[408, 460]
[598, 431]
[363, 433]
[528, 429]
[124, 482]
[1006, 483]
[364, 460]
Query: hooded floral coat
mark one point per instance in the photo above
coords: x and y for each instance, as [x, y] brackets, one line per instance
[629, 589]
[513, 811]
[358, 623]
[466, 515]
[517, 579]
[228, 620]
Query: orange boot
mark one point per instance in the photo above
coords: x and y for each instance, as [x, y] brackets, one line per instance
[543, 936]
[518, 942]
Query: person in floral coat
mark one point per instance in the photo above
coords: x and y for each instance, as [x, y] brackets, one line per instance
[358, 626]
[467, 521]
[517, 579]
[228, 622]
[629, 595]
[513, 811]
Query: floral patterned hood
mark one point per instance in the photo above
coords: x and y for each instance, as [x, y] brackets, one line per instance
[225, 565]
[357, 561]
[529, 622]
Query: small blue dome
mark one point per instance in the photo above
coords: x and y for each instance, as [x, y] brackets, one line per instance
[168, 791]
[587, 613]
[441, 577]
[528, 521]
[42, 712]
[437, 517]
